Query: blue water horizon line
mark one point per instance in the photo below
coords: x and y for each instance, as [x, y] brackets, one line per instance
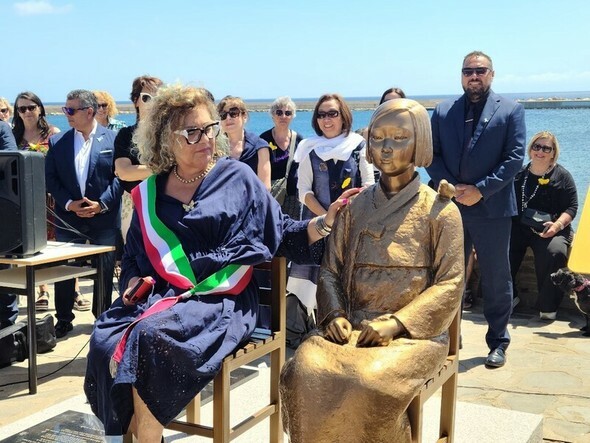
[568, 95]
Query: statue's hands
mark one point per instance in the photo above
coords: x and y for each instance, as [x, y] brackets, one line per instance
[343, 200]
[338, 330]
[379, 332]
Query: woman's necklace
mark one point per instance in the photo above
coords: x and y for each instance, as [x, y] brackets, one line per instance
[525, 201]
[194, 179]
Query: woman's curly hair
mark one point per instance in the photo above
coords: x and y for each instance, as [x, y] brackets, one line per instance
[154, 135]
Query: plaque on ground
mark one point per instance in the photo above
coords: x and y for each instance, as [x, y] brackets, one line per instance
[69, 426]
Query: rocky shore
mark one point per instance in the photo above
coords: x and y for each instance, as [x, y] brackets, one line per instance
[369, 105]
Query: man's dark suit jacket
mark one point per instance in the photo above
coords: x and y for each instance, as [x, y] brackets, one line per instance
[62, 183]
[494, 156]
[7, 141]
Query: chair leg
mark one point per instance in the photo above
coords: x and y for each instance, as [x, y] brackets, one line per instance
[193, 410]
[277, 359]
[447, 408]
[415, 417]
[221, 406]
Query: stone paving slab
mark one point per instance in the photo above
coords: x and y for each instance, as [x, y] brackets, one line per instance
[547, 373]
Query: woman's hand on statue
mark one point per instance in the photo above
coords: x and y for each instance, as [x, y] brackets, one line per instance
[343, 200]
[338, 330]
[379, 333]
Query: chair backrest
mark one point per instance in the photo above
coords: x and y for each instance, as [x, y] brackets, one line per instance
[272, 296]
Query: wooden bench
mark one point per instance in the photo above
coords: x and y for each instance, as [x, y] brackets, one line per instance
[447, 380]
[264, 342]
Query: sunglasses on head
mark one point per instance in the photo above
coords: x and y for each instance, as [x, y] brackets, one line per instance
[280, 112]
[233, 113]
[468, 72]
[331, 114]
[102, 105]
[4, 110]
[145, 97]
[538, 147]
[72, 111]
[23, 109]
[194, 135]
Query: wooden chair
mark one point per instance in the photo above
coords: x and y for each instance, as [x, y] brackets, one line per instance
[447, 380]
[264, 342]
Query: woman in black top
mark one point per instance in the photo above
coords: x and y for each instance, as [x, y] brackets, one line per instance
[546, 187]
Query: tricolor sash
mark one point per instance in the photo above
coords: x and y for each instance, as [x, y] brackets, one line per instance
[168, 258]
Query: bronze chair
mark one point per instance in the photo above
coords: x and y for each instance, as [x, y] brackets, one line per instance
[264, 342]
[447, 380]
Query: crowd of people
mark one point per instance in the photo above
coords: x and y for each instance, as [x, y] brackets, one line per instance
[189, 181]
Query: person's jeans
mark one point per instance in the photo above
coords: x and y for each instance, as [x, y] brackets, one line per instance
[65, 292]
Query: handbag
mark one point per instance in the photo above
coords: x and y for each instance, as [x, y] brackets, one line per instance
[278, 187]
[535, 218]
[45, 328]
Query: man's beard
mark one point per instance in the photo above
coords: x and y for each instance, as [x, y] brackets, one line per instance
[475, 92]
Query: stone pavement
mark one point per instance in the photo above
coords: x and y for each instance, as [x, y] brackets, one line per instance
[547, 373]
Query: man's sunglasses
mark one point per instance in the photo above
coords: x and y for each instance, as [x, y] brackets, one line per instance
[102, 105]
[546, 149]
[331, 114]
[468, 72]
[193, 135]
[233, 113]
[23, 109]
[72, 111]
[280, 112]
[145, 97]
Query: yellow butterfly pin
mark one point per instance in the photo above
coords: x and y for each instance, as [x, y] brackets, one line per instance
[543, 181]
[272, 146]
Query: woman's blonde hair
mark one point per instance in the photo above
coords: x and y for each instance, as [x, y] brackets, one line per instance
[105, 97]
[420, 120]
[154, 136]
[548, 135]
[4, 103]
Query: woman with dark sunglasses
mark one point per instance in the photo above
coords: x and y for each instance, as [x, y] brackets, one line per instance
[547, 203]
[244, 146]
[32, 131]
[5, 110]
[330, 163]
[107, 109]
[283, 142]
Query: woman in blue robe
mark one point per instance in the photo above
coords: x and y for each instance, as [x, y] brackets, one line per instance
[229, 218]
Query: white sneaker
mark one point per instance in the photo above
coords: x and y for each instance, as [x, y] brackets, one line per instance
[548, 315]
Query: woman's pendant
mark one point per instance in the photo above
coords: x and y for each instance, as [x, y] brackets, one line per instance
[188, 207]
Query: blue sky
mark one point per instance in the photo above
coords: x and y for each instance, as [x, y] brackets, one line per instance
[263, 49]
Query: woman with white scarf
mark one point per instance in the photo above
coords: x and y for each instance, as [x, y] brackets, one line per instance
[330, 163]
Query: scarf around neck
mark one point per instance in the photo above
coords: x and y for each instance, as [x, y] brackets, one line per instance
[337, 148]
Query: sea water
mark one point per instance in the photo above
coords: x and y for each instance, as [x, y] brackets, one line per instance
[570, 126]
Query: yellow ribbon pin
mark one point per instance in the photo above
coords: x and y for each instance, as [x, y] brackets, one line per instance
[346, 182]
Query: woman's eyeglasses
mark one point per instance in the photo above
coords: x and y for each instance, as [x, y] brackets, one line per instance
[233, 113]
[145, 97]
[102, 105]
[23, 109]
[280, 112]
[330, 114]
[194, 135]
[4, 110]
[546, 149]
[72, 111]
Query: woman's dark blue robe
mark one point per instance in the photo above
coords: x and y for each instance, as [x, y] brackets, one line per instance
[172, 355]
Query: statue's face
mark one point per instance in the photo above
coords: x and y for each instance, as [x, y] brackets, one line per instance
[391, 143]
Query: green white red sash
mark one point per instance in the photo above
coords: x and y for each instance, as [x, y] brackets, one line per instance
[168, 258]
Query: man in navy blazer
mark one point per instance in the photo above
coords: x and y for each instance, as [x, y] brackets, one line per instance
[478, 145]
[8, 302]
[79, 175]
